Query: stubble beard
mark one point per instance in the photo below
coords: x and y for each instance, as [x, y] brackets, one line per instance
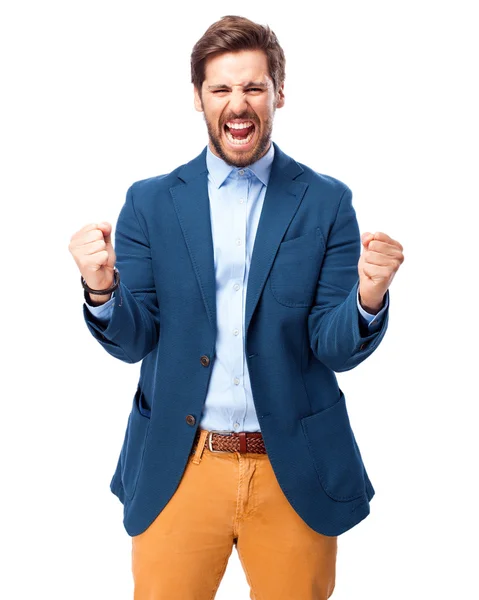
[245, 158]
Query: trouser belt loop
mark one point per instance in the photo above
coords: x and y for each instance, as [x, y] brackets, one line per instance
[242, 439]
[200, 446]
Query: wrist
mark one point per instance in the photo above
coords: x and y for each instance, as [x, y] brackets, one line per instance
[101, 296]
[371, 306]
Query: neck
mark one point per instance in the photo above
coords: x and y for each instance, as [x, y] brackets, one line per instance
[224, 158]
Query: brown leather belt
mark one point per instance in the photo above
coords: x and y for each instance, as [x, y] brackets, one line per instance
[230, 441]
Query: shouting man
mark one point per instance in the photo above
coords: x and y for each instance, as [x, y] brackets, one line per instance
[238, 281]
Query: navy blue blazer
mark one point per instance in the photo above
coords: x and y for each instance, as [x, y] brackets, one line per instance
[301, 324]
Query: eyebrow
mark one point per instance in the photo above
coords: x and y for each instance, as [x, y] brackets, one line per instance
[257, 84]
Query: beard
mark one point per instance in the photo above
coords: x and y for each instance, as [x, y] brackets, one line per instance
[240, 159]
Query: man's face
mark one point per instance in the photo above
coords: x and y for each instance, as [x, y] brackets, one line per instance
[238, 101]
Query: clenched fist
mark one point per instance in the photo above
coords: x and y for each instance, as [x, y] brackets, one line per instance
[381, 258]
[93, 252]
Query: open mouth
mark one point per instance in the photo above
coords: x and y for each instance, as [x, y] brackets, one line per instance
[239, 133]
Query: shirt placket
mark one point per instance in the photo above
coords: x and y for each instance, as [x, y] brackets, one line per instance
[237, 297]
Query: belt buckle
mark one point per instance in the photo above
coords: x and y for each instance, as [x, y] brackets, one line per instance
[221, 432]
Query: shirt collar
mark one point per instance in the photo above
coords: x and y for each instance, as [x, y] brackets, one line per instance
[219, 170]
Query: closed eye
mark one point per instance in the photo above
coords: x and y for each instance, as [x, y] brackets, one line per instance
[225, 90]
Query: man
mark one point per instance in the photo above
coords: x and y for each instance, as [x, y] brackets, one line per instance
[238, 281]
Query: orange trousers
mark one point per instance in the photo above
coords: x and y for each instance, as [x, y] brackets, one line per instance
[227, 499]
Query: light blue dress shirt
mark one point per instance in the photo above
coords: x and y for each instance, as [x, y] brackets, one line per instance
[236, 199]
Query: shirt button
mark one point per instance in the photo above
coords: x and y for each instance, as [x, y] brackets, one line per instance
[236, 380]
[238, 242]
[235, 332]
[241, 201]
[236, 287]
[236, 425]
[241, 172]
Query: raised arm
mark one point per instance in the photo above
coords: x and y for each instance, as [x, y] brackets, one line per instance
[132, 332]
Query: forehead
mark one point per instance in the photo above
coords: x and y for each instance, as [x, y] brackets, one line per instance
[237, 68]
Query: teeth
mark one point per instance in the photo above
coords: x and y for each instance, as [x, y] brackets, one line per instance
[240, 125]
[236, 142]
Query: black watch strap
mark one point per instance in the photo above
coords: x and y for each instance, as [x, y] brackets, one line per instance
[112, 288]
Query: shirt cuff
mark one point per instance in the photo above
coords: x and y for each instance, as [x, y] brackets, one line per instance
[104, 311]
[373, 322]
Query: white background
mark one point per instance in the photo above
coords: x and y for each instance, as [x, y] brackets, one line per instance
[96, 95]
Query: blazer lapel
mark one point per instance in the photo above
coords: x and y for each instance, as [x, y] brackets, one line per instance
[191, 201]
[282, 199]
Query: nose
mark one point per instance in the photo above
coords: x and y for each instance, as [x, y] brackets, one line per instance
[237, 103]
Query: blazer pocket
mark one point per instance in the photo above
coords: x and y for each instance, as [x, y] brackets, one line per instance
[131, 457]
[335, 453]
[295, 271]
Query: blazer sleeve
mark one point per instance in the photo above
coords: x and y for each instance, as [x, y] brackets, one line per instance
[134, 327]
[335, 333]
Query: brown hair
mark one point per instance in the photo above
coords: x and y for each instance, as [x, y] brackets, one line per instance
[232, 34]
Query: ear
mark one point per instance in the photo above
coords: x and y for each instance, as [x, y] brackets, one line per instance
[280, 96]
[198, 102]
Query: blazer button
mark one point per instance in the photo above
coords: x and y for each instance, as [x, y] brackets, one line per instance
[190, 419]
[205, 360]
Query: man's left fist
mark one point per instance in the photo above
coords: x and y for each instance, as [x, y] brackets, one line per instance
[381, 258]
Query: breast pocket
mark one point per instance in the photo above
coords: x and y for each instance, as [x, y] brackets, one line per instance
[295, 270]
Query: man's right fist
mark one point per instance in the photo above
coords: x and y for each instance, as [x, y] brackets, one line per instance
[93, 252]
